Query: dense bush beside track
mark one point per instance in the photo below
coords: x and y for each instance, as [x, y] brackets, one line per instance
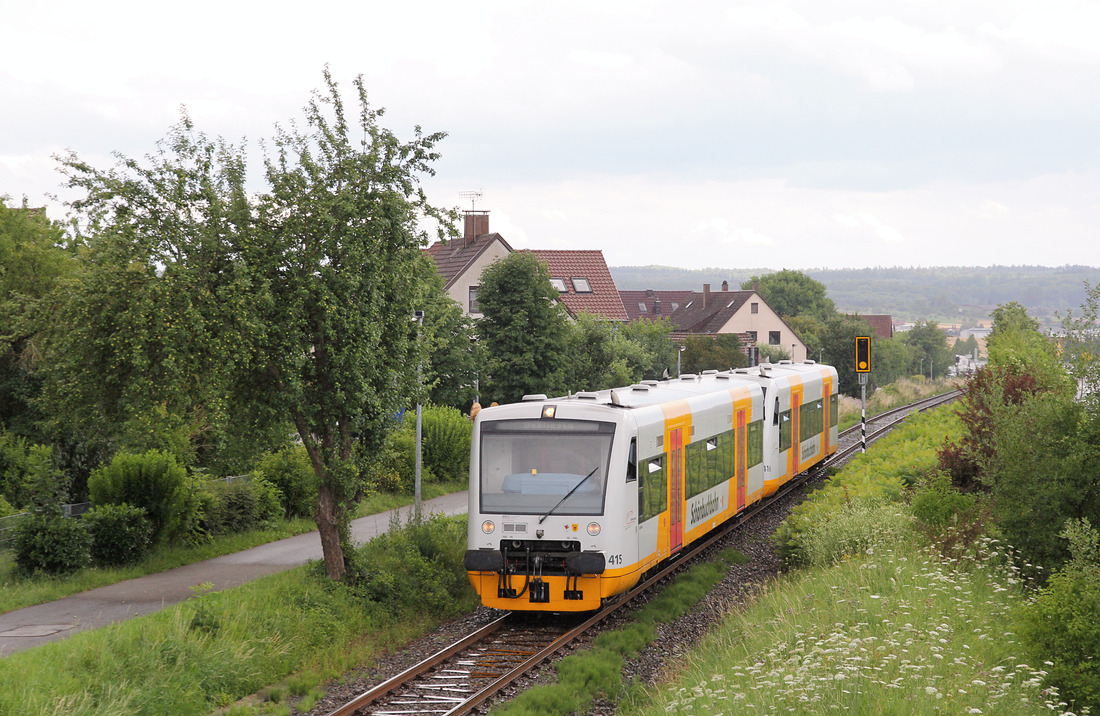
[289, 470]
[48, 543]
[445, 451]
[121, 534]
[153, 481]
[853, 506]
[240, 505]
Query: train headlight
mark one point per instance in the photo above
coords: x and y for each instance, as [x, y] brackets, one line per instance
[593, 528]
[488, 527]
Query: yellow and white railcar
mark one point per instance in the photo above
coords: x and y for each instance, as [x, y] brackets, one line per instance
[573, 499]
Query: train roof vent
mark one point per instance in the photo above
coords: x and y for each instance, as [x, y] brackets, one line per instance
[809, 362]
[722, 376]
[587, 395]
[710, 372]
[742, 371]
[652, 383]
[534, 397]
[784, 362]
[687, 376]
[640, 388]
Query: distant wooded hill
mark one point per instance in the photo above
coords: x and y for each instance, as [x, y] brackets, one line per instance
[953, 294]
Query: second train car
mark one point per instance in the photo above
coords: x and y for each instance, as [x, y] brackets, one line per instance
[573, 499]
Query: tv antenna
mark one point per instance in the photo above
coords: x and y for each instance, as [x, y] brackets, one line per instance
[473, 196]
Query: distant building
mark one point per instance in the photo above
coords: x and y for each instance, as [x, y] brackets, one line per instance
[882, 325]
[714, 313]
[581, 277]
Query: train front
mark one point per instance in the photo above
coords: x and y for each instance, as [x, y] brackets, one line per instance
[538, 535]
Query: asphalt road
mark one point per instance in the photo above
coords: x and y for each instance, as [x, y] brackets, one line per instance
[42, 623]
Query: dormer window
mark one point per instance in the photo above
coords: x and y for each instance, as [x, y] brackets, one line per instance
[559, 283]
[642, 307]
[581, 285]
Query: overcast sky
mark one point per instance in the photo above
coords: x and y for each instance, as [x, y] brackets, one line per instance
[775, 134]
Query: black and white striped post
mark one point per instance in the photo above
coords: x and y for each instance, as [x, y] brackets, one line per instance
[863, 369]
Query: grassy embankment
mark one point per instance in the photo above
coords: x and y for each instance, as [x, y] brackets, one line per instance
[281, 636]
[17, 592]
[882, 624]
[902, 392]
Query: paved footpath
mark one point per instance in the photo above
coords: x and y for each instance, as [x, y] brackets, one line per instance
[42, 623]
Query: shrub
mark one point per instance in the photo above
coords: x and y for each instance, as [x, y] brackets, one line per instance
[446, 449]
[241, 505]
[853, 529]
[290, 471]
[1060, 626]
[153, 481]
[121, 534]
[28, 476]
[50, 544]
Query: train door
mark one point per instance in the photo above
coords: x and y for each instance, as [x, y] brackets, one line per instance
[796, 433]
[826, 418]
[741, 458]
[676, 489]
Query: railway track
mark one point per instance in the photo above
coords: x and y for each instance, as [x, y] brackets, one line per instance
[460, 678]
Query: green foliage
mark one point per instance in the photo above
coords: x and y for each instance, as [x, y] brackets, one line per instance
[1060, 626]
[51, 544]
[446, 436]
[415, 568]
[861, 503]
[152, 481]
[524, 329]
[793, 293]
[1017, 346]
[720, 353]
[28, 476]
[121, 534]
[1081, 345]
[454, 361]
[241, 505]
[289, 471]
[929, 355]
[1045, 470]
[938, 505]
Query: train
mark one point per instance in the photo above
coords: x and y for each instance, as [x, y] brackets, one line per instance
[573, 499]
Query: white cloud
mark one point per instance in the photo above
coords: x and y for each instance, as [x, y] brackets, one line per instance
[864, 220]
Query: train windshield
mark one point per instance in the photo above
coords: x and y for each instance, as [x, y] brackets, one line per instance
[529, 466]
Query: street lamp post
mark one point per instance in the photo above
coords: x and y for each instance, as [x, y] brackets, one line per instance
[678, 352]
[418, 316]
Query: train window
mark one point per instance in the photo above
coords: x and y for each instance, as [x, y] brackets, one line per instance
[785, 430]
[834, 408]
[755, 447]
[653, 490]
[811, 420]
[721, 458]
[696, 469]
[632, 461]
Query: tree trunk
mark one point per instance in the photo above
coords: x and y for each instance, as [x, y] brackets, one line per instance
[328, 525]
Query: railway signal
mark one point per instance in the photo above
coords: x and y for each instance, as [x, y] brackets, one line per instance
[863, 354]
[863, 367]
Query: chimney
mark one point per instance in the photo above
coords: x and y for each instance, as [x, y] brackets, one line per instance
[657, 307]
[756, 286]
[477, 224]
[706, 294]
[725, 285]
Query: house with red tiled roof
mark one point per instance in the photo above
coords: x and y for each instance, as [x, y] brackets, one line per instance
[583, 282]
[581, 276]
[653, 305]
[882, 325]
[745, 313]
[461, 261]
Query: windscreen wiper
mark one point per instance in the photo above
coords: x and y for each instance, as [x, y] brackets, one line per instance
[568, 494]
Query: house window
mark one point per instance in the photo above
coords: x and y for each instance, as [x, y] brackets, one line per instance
[773, 338]
[559, 283]
[752, 336]
[581, 285]
[754, 307]
[675, 305]
[473, 300]
[642, 307]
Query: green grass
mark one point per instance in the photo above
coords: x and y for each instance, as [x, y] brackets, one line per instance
[896, 631]
[284, 634]
[891, 396]
[17, 592]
